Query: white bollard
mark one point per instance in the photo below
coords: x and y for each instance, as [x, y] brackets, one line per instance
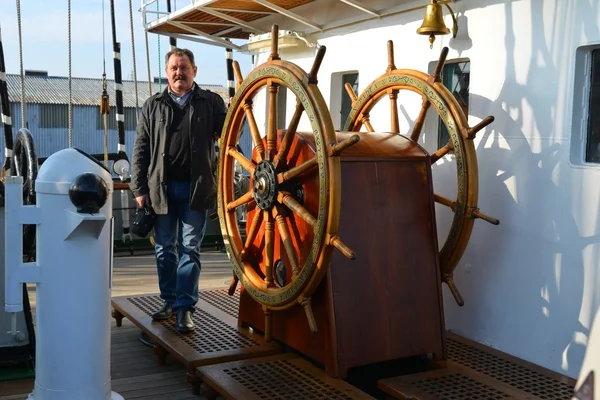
[72, 271]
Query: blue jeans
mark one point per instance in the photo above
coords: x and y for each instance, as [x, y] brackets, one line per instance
[178, 236]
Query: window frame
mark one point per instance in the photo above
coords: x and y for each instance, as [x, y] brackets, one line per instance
[441, 126]
[580, 115]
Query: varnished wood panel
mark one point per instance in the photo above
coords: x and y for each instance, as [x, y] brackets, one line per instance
[387, 303]
[291, 327]
[389, 298]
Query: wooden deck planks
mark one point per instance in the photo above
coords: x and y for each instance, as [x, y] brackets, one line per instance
[135, 372]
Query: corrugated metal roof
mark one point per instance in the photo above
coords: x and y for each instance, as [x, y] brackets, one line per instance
[84, 91]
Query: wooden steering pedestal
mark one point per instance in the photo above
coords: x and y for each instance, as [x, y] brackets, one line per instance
[378, 297]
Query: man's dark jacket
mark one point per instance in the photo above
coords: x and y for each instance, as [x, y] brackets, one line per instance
[207, 115]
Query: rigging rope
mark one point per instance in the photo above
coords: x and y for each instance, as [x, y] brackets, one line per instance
[147, 55]
[148, 65]
[70, 83]
[23, 111]
[229, 66]
[120, 117]
[104, 99]
[172, 40]
[158, 39]
[133, 55]
[5, 115]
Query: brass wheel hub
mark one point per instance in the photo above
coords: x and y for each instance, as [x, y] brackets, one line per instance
[265, 185]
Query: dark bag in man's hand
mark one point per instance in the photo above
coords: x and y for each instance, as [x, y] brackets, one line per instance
[143, 222]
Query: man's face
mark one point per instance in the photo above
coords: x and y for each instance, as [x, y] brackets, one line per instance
[180, 73]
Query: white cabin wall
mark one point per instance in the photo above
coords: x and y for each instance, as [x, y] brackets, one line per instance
[532, 281]
[532, 284]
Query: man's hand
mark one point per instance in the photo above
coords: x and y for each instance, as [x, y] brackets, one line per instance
[142, 201]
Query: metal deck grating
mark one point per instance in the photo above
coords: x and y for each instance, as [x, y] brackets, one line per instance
[284, 377]
[221, 299]
[508, 372]
[217, 336]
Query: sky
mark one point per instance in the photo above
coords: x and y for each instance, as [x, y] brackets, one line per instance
[44, 28]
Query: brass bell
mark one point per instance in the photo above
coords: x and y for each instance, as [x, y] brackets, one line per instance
[433, 23]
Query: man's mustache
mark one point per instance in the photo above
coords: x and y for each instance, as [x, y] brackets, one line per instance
[179, 78]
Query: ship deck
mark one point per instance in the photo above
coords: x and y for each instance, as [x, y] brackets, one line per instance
[473, 371]
[134, 371]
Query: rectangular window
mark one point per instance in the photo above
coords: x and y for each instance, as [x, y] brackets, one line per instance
[455, 76]
[592, 148]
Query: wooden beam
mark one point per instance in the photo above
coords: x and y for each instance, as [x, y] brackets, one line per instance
[362, 7]
[288, 14]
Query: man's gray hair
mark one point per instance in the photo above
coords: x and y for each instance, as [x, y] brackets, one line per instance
[180, 52]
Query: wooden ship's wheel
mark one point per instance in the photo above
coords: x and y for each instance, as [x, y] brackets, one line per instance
[433, 92]
[310, 189]
[294, 194]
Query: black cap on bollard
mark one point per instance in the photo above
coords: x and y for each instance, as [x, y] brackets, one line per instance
[88, 193]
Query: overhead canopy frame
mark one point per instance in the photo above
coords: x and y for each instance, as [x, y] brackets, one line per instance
[214, 21]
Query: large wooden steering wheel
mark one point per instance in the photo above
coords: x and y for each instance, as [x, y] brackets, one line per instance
[433, 93]
[294, 196]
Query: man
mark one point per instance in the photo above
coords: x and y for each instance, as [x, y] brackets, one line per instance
[172, 171]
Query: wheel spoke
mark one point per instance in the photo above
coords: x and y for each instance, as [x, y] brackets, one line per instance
[272, 121]
[478, 214]
[367, 122]
[394, 111]
[314, 71]
[297, 171]
[475, 213]
[233, 285]
[238, 74]
[365, 116]
[473, 131]
[390, 49]
[274, 43]
[286, 237]
[297, 208]
[336, 242]
[437, 74]
[248, 165]
[441, 152]
[245, 199]
[286, 142]
[269, 248]
[445, 201]
[310, 316]
[338, 148]
[252, 232]
[420, 120]
[350, 92]
[254, 132]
